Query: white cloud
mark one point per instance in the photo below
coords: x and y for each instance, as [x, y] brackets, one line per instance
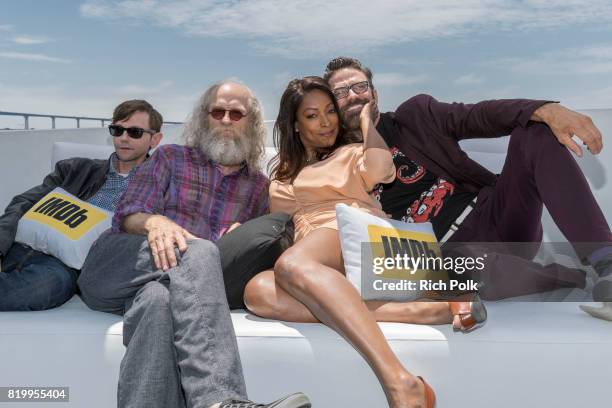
[5, 27]
[39, 99]
[144, 90]
[65, 99]
[280, 80]
[496, 91]
[398, 79]
[29, 40]
[319, 27]
[597, 98]
[593, 60]
[32, 57]
[469, 80]
[411, 62]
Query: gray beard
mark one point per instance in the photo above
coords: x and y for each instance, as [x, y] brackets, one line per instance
[224, 150]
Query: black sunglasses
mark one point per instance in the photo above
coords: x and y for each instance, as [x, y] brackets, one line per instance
[357, 87]
[133, 132]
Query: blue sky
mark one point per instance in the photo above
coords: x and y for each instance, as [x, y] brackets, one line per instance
[83, 57]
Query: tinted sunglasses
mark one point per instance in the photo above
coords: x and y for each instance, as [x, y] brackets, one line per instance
[133, 132]
[357, 87]
[234, 114]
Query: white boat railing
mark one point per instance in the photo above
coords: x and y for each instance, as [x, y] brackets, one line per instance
[26, 118]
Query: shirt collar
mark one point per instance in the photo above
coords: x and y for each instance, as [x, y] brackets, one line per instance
[244, 168]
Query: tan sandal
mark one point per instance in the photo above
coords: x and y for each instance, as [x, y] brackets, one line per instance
[430, 395]
[472, 313]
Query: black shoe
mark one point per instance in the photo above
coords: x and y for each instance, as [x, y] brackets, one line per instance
[297, 400]
[602, 291]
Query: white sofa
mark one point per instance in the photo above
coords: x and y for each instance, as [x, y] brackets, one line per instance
[528, 354]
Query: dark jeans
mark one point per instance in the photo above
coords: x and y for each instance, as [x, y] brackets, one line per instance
[538, 171]
[32, 280]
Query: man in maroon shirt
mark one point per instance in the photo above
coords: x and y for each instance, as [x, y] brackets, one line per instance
[439, 183]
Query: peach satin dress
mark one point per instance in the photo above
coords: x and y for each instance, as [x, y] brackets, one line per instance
[347, 176]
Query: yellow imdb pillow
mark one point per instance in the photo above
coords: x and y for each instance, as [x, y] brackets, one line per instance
[387, 259]
[64, 226]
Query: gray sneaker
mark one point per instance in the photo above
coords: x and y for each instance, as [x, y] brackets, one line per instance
[297, 400]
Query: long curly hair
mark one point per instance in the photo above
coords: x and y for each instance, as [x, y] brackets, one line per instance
[291, 157]
[196, 132]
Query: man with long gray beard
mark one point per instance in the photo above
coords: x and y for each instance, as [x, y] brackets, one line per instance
[159, 267]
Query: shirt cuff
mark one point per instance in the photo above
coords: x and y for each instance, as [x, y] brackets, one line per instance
[525, 117]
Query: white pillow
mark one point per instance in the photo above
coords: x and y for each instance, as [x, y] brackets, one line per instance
[268, 156]
[63, 226]
[68, 150]
[368, 242]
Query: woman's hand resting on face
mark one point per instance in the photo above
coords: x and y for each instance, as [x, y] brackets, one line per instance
[365, 119]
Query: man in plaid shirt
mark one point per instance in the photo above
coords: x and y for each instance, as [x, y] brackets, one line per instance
[159, 267]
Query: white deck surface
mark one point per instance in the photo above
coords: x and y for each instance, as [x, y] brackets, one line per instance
[550, 352]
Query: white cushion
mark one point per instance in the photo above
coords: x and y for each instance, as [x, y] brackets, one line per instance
[268, 156]
[487, 145]
[537, 347]
[65, 150]
[367, 242]
[525, 344]
[64, 226]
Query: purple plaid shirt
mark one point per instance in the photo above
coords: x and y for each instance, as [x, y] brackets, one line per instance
[182, 184]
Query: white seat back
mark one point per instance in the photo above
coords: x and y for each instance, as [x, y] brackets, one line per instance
[66, 150]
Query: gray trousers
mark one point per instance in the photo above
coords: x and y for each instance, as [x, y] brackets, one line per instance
[181, 346]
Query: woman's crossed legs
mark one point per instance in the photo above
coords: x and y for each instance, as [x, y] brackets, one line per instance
[308, 285]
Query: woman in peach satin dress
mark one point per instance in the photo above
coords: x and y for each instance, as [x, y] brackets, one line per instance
[316, 168]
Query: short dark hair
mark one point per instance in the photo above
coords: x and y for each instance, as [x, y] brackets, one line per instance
[126, 109]
[347, 62]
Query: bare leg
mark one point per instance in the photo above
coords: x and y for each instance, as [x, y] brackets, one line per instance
[264, 297]
[310, 271]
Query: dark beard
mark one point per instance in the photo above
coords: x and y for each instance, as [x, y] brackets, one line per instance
[352, 120]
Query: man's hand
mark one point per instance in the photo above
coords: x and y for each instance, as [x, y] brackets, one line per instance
[163, 235]
[566, 123]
